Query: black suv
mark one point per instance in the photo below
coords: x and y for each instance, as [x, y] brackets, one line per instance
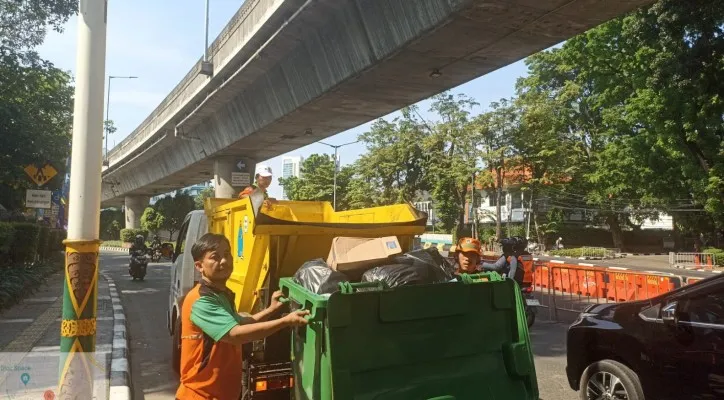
[668, 347]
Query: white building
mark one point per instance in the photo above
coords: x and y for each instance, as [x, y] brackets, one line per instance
[291, 166]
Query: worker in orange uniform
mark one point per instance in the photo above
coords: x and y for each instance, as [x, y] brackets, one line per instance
[263, 179]
[212, 332]
[467, 255]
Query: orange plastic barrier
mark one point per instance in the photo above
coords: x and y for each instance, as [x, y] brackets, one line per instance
[623, 286]
[606, 283]
[540, 274]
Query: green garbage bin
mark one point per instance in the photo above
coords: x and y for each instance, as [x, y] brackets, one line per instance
[463, 340]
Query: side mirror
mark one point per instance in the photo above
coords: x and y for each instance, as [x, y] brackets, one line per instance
[668, 314]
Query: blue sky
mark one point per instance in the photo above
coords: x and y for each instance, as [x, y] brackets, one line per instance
[160, 40]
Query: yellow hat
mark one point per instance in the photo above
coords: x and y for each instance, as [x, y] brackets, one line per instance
[468, 244]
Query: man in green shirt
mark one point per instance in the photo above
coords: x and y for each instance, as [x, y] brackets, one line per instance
[212, 332]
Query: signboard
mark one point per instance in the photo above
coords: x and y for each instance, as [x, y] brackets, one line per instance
[37, 198]
[41, 175]
[242, 179]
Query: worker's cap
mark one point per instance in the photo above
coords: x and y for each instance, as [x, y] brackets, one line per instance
[468, 244]
[264, 171]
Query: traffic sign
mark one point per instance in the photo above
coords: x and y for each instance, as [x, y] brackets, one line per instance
[41, 175]
[37, 198]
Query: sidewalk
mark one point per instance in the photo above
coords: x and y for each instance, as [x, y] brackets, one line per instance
[30, 337]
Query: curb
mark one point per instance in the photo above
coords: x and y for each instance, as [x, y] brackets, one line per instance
[120, 376]
[113, 248]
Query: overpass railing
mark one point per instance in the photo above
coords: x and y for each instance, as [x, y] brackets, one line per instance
[192, 82]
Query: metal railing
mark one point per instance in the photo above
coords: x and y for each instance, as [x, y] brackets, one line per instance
[693, 260]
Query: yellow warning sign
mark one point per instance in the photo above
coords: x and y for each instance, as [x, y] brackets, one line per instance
[42, 175]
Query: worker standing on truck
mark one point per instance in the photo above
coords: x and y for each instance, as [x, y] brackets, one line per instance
[263, 179]
[212, 332]
[467, 255]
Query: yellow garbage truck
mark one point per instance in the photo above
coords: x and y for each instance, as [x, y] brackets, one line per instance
[465, 339]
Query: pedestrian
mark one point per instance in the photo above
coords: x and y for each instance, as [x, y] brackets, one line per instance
[559, 243]
[212, 332]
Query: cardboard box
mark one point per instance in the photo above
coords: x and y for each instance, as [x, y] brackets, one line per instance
[354, 256]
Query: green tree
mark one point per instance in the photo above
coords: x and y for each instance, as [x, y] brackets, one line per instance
[111, 221]
[316, 181]
[544, 149]
[641, 102]
[202, 196]
[152, 220]
[174, 209]
[24, 24]
[396, 161]
[35, 97]
[453, 155]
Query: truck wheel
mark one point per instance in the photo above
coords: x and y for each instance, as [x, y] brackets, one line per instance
[176, 347]
[610, 379]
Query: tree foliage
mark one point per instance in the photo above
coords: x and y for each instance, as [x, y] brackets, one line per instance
[639, 97]
[202, 196]
[152, 220]
[35, 97]
[111, 223]
[316, 181]
[173, 210]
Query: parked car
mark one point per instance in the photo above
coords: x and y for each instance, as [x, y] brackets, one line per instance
[667, 347]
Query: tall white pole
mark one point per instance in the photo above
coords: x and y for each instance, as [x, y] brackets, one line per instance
[85, 169]
[206, 37]
[78, 326]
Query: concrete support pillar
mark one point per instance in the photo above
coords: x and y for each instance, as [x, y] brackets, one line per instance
[231, 175]
[134, 209]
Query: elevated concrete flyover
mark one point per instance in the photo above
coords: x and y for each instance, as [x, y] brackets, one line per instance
[288, 73]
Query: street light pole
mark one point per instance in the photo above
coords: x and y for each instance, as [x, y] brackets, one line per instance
[80, 294]
[108, 107]
[334, 191]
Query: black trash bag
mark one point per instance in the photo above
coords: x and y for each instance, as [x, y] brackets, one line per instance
[417, 267]
[431, 257]
[318, 277]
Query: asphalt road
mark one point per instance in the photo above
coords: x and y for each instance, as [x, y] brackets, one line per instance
[145, 304]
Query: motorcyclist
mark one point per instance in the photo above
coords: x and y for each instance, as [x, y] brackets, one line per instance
[508, 262]
[139, 244]
[156, 243]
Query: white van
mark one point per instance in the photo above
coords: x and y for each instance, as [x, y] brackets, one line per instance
[183, 276]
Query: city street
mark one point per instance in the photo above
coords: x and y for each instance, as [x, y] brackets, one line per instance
[145, 303]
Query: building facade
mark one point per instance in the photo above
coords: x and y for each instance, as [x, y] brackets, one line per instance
[291, 167]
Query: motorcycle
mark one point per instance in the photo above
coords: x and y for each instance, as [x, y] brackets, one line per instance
[156, 254]
[139, 263]
[514, 249]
